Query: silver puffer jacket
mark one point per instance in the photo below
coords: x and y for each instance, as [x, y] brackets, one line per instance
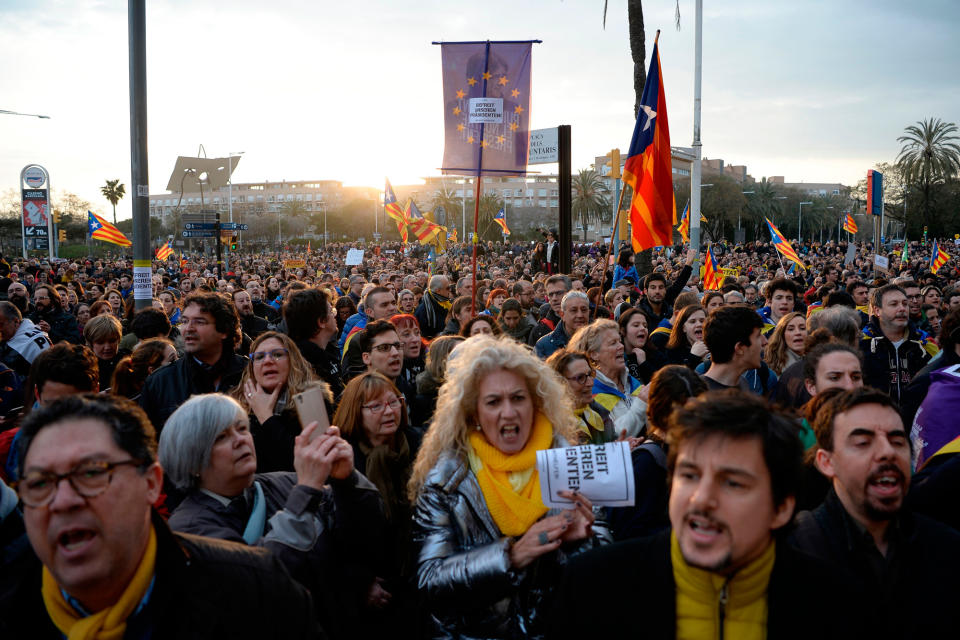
[463, 562]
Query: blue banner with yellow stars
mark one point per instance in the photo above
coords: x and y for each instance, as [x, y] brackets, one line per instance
[486, 105]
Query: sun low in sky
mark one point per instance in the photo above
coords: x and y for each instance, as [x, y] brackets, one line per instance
[815, 91]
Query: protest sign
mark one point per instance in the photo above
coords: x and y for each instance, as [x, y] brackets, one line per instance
[354, 257]
[881, 262]
[602, 473]
[294, 264]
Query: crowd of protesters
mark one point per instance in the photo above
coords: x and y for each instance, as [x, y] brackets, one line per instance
[793, 436]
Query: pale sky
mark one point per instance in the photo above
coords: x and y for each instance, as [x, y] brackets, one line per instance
[816, 91]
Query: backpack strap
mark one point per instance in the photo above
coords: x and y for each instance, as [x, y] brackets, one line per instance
[655, 450]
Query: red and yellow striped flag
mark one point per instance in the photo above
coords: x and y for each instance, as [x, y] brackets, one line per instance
[100, 229]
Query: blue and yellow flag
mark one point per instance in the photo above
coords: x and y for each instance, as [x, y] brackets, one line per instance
[165, 250]
[849, 224]
[649, 168]
[100, 229]
[781, 244]
[486, 107]
[938, 257]
[501, 219]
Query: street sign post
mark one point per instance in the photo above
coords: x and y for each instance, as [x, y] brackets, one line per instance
[196, 226]
[199, 234]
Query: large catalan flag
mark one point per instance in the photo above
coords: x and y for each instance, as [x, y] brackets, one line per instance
[849, 224]
[648, 169]
[782, 245]
[712, 276]
[501, 219]
[425, 231]
[100, 229]
[165, 250]
[393, 209]
[938, 257]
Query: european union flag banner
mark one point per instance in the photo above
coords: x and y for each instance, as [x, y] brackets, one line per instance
[486, 107]
[648, 169]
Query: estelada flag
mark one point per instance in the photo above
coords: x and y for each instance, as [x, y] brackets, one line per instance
[648, 169]
[424, 230]
[486, 107]
[392, 208]
[849, 224]
[782, 245]
[165, 251]
[938, 257]
[711, 271]
[100, 229]
[501, 219]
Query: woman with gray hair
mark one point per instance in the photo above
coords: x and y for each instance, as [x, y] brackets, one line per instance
[488, 551]
[312, 519]
[614, 388]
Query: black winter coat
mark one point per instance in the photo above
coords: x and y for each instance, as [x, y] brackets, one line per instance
[918, 595]
[170, 386]
[638, 573]
[204, 589]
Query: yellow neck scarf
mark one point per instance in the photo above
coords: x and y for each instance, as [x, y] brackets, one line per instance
[110, 623]
[699, 592]
[513, 509]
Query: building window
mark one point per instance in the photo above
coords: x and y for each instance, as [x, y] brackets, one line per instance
[518, 202]
[836, 192]
[542, 203]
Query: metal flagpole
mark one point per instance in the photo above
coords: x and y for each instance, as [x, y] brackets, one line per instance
[476, 203]
[697, 146]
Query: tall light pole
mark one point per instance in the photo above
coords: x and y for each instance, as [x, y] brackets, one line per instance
[324, 205]
[799, 217]
[230, 157]
[697, 145]
[740, 210]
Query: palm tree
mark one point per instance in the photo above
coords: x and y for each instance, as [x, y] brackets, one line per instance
[447, 198]
[763, 203]
[113, 191]
[929, 156]
[590, 197]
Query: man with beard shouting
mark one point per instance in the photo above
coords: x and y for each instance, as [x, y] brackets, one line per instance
[904, 563]
[51, 317]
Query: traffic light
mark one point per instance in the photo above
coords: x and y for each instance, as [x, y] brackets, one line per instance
[613, 159]
[56, 216]
[62, 235]
[233, 246]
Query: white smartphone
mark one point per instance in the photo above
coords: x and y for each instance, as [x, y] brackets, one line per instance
[311, 406]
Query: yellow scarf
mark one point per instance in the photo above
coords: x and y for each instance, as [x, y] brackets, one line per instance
[698, 598]
[510, 483]
[591, 426]
[110, 623]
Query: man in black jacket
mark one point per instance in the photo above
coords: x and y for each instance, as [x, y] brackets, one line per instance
[100, 557]
[734, 468]
[906, 564]
[210, 330]
[658, 298]
[251, 324]
[556, 287]
[431, 314]
[50, 316]
[312, 324]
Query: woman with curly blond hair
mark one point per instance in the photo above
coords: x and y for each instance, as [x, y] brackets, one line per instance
[275, 373]
[489, 551]
[786, 344]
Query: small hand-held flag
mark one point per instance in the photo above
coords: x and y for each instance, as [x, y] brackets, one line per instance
[100, 229]
[781, 244]
[649, 168]
[165, 251]
[938, 258]
[849, 224]
[711, 271]
[501, 219]
[392, 209]
[684, 226]
[905, 255]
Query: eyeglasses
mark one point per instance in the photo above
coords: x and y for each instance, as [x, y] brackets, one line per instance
[275, 354]
[387, 346]
[379, 407]
[88, 479]
[582, 378]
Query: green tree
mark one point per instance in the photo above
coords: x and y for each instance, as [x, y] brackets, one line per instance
[929, 157]
[486, 228]
[590, 198]
[451, 204]
[113, 191]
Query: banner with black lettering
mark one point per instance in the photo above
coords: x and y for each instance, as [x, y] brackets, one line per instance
[602, 473]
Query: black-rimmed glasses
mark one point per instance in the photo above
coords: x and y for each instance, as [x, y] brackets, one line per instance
[88, 479]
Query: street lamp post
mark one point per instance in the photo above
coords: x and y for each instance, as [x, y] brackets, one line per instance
[740, 210]
[230, 157]
[799, 216]
[324, 205]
